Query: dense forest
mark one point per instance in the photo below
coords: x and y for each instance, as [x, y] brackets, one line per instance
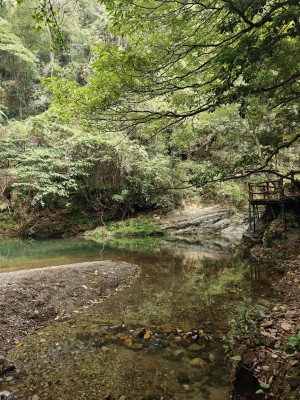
[125, 119]
[117, 107]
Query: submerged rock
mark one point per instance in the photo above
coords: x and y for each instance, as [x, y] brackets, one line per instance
[179, 353]
[197, 362]
[183, 377]
[196, 347]
[5, 365]
[139, 333]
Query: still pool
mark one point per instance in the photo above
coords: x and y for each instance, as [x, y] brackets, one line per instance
[160, 338]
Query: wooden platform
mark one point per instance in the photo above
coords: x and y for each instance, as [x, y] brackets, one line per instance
[287, 199]
[271, 194]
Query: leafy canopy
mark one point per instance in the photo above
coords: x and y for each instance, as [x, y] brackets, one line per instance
[201, 55]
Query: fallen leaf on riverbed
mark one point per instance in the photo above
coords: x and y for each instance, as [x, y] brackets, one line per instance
[286, 326]
[266, 324]
[121, 336]
[128, 342]
[166, 327]
[147, 335]
[293, 362]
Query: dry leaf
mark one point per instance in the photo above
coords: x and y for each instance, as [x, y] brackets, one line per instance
[286, 326]
[293, 362]
[147, 335]
[128, 342]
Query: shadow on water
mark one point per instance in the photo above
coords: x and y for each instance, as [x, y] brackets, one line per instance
[161, 338]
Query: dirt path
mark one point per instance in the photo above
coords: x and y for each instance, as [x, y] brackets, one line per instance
[33, 298]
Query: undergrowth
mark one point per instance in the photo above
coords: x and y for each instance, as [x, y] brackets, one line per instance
[243, 321]
[8, 222]
[131, 227]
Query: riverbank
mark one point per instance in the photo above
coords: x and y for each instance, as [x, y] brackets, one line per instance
[269, 352]
[31, 299]
[191, 218]
[187, 223]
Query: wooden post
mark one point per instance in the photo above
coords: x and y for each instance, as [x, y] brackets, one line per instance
[281, 190]
[283, 215]
[249, 191]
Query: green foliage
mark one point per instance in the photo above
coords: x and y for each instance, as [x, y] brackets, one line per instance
[149, 96]
[166, 55]
[236, 358]
[293, 344]
[17, 71]
[264, 387]
[131, 227]
[275, 230]
[24, 26]
[8, 222]
[243, 322]
[231, 193]
[46, 163]
[39, 169]
[11, 49]
[124, 178]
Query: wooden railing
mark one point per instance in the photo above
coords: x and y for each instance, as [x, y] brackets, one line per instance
[266, 190]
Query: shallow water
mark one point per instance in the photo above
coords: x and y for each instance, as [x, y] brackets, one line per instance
[161, 338]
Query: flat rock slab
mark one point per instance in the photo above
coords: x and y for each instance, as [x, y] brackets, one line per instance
[30, 299]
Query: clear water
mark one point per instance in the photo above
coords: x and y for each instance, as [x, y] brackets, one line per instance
[178, 308]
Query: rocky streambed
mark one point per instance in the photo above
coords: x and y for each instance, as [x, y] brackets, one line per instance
[30, 299]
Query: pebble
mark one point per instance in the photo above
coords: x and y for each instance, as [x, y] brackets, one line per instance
[178, 353]
[5, 393]
[137, 346]
[183, 377]
[197, 362]
[139, 333]
[196, 347]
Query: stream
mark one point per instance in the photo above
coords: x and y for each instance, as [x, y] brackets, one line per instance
[161, 338]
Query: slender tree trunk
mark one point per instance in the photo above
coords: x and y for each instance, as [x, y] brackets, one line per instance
[52, 59]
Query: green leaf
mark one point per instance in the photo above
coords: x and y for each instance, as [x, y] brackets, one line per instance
[264, 385]
[259, 391]
[236, 358]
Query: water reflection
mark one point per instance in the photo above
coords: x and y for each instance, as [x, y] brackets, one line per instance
[179, 306]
